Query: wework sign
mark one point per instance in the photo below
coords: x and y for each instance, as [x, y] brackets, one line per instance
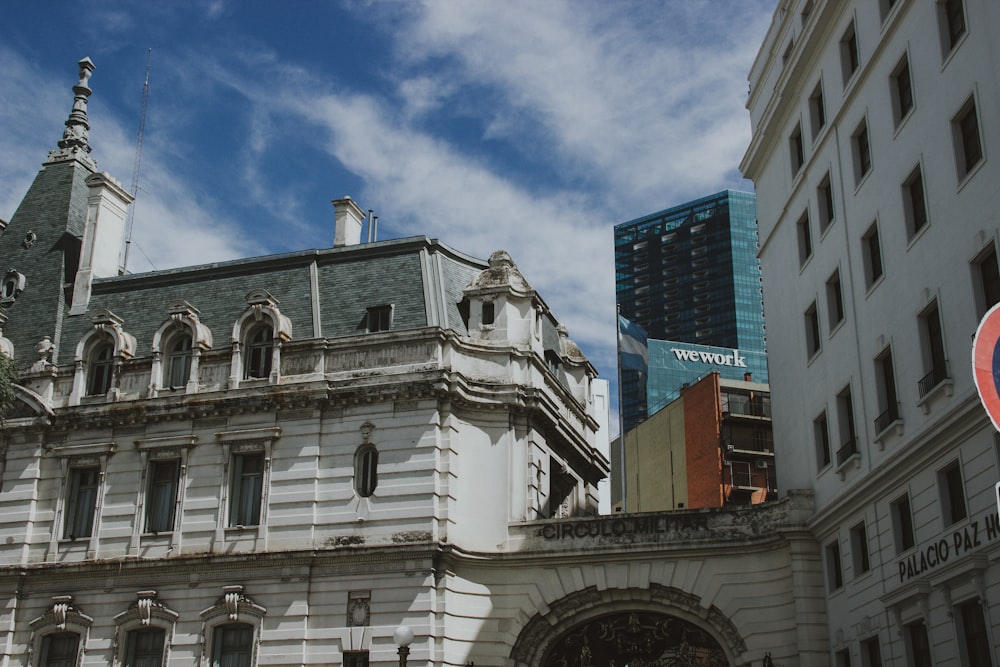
[717, 358]
[932, 554]
[623, 527]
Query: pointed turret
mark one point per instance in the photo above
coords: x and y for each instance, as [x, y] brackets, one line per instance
[75, 142]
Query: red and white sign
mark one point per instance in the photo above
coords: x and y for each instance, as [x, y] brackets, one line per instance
[986, 363]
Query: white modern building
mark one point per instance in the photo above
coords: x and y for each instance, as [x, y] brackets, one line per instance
[318, 457]
[875, 152]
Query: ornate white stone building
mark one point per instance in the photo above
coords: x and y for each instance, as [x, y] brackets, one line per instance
[282, 460]
[875, 155]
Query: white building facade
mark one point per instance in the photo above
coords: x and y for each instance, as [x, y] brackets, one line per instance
[876, 157]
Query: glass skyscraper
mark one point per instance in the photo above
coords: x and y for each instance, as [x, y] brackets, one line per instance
[690, 274]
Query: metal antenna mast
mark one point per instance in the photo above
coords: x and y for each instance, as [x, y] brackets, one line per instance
[135, 165]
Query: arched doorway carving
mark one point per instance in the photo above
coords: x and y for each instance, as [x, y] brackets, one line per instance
[657, 626]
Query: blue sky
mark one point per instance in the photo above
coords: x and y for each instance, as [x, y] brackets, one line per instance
[529, 126]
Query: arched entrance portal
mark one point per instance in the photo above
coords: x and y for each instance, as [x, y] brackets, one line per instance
[657, 626]
[636, 639]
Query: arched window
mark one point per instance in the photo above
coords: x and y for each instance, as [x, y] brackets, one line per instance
[366, 470]
[178, 367]
[101, 366]
[59, 649]
[259, 348]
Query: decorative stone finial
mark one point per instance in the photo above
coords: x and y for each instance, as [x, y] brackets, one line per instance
[75, 141]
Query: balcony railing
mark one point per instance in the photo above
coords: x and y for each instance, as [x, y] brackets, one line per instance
[756, 406]
[849, 449]
[937, 375]
[884, 420]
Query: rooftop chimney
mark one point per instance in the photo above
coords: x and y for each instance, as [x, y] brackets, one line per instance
[347, 222]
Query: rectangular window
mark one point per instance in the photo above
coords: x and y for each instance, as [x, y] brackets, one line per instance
[902, 523]
[379, 318]
[986, 280]
[888, 403]
[859, 549]
[975, 634]
[872, 251]
[871, 652]
[805, 238]
[884, 7]
[232, 645]
[81, 502]
[848, 434]
[835, 300]
[162, 495]
[862, 152]
[918, 647]
[849, 56]
[59, 649]
[902, 91]
[842, 658]
[144, 648]
[834, 573]
[824, 199]
[795, 149]
[813, 340]
[951, 14]
[355, 659]
[247, 489]
[914, 204]
[821, 435]
[968, 145]
[932, 339]
[952, 491]
[817, 110]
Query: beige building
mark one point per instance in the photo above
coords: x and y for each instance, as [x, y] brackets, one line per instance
[875, 156]
[285, 460]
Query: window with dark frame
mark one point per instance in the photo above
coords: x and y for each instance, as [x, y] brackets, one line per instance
[975, 634]
[59, 649]
[796, 150]
[366, 470]
[161, 498]
[862, 152]
[805, 238]
[872, 255]
[954, 23]
[834, 570]
[824, 201]
[81, 502]
[859, 549]
[885, 6]
[144, 648]
[842, 658]
[101, 369]
[914, 203]
[259, 353]
[847, 430]
[902, 91]
[179, 362]
[849, 56]
[378, 318]
[932, 338]
[986, 278]
[813, 336]
[888, 402]
[355, 659]
[232, 645]
[247, 488]
[969, 146]
[821, 433]
[952, 489]
[902, 523]
[871, 652]
[918, 645]
[489, 312]
[835, 300]
[817, 110]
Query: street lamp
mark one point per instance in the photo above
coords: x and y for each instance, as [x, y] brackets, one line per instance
[403, 636]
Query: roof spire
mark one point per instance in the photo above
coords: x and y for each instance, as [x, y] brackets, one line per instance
[75, 137]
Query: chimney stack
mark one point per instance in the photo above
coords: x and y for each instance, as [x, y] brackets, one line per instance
[347, 222]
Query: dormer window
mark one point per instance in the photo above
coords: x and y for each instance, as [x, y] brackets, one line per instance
[178, 362]
[489, 313]
[378, 318]
[101, 366]
[259, 349]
